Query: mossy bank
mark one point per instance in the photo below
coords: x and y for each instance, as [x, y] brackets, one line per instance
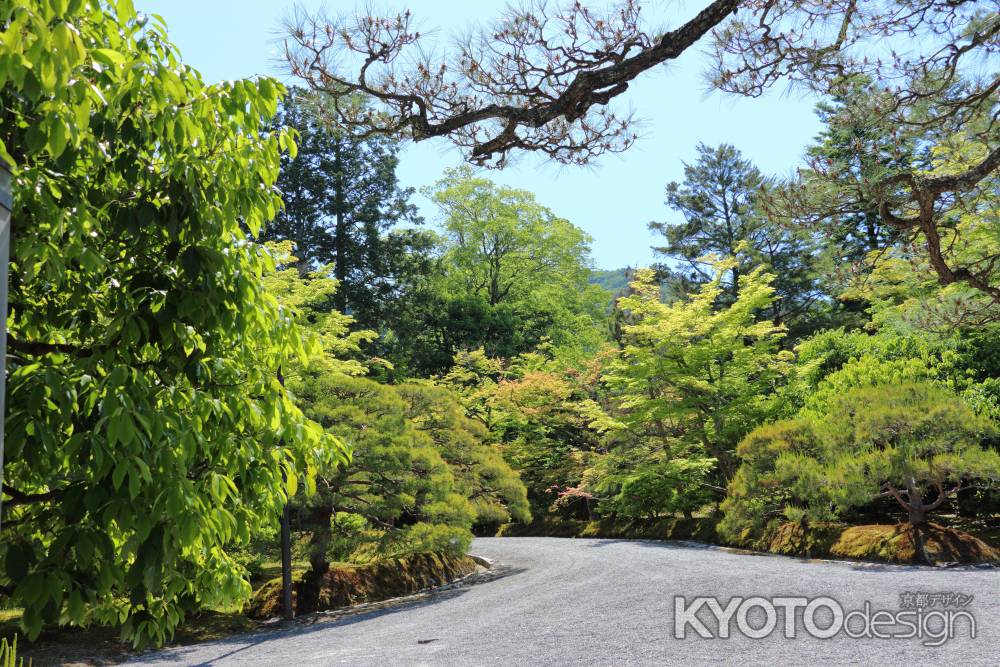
[888, 543]
[344, 585]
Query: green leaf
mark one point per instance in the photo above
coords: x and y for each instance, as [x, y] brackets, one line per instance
[118, 475]
[57, 137]
[108, 57]
[75, 608]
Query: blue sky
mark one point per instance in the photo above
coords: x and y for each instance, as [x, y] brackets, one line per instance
[613, 199]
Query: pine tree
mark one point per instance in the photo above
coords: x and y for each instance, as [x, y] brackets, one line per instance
[718, 202]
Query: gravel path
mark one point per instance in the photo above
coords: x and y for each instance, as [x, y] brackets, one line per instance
[556, 601]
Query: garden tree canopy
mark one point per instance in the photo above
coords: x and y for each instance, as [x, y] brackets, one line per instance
[496, 492]
[721, 216]
[511, 274]
[543, 77]
[694, 373]
[649, 477]
[342, 202]
[855, 146]
[916, 443]
[502, 245]
[911, 183]
[904, 287]
[306, 297]
[540, 415]
[397, 495]
[415, 453]
[147, 429]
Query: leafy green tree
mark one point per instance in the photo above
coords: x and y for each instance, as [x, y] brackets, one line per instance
[397, 495]
[648, 477]
[541, 420]
[920, 187]
[834, 362]
[147, 430]
[722, 216]
[697, 374]
[481, 474]
[415, 451]
[511, 274]
[306, 297]
[754, 497]
[904, 291]
[437, 322]
[343, 206]
[915, 443]
[536, 409]
[501, 244]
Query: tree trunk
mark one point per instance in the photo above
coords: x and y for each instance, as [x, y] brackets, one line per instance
[286, 548]
[320, 519]
[288, 612]
[917, 516]
[340, 231]
[917, 511]
[916, 507]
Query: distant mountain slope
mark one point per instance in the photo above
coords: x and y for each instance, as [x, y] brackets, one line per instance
[616, 280]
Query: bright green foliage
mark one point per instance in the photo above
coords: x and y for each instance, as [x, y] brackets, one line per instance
[537, 410]
[8, 654]
[146, 427]
[511, 274]
[307, 297]
[397, 495]
[836, 361]
[756, 494]
[916, 443]
[695, 373]
[722, 216]
[474, 376]
[903, 290]
[649, 477]
[503, 245]
[415, 452]
[481, 474]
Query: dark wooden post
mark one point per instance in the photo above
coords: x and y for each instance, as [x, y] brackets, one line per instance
[288, 612]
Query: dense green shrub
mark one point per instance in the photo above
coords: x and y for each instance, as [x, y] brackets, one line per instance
[916, 443]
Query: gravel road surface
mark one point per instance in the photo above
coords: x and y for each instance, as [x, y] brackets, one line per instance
[552, 601]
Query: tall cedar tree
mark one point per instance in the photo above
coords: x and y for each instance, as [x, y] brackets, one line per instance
[342, 202]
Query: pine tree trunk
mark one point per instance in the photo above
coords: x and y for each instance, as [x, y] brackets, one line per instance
[918, 520]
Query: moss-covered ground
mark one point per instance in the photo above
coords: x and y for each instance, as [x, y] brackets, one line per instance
[889, 543]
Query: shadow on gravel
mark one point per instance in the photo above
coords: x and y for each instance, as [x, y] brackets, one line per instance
[865, 566]
[328, 620]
